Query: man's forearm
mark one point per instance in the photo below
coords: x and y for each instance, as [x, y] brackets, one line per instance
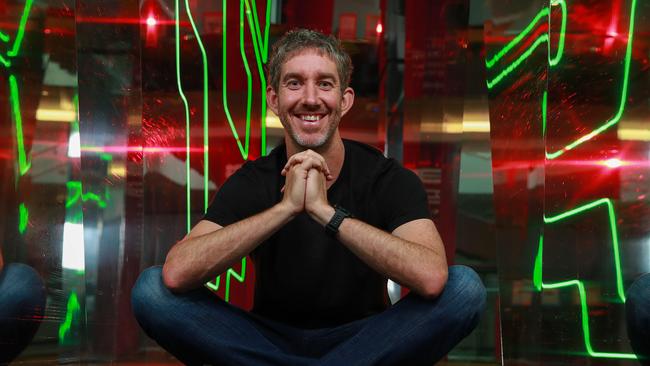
[193, 261]
[420, 268]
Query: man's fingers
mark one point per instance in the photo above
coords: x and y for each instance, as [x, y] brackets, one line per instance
[308, 155]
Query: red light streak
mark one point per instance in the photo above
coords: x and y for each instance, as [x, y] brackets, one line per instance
[607, 163]
[116, 20]
[139, 149]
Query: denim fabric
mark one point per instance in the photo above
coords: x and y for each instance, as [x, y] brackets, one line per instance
[22, 304]
[637, 312]
[199, 328]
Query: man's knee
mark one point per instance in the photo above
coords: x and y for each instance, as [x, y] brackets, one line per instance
[466, 287]
[637, 308]
[22, 285]
[148, 293]
[638, 295]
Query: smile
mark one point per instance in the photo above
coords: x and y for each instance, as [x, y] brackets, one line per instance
[311, 117]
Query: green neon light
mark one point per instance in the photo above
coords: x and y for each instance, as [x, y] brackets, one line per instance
[537, 270]
[510, 68]
[263, 42]
[187, 114]
[23, 214]
[249, 78]
[204, 59]
[544, 111]
[541, 39]
[261, 56]
[560, 48]
[244, 152]
[540, 285]
[73, 308]
[613, 231]
[21, 29]
[224, 99]
[261, 46]
[106, 156]
[15, 48]
[585, 320]
[6, 63]
[621, 107]
[75, 193]
[241, 277]
[23, 164]
[556, 59]
[499, 55]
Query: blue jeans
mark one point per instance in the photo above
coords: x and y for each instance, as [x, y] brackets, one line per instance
[22, 304]
[637, 312]
[199, 328]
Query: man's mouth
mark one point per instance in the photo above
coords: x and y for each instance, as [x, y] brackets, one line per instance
[311, 117]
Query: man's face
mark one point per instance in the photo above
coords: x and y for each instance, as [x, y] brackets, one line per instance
[309, 100]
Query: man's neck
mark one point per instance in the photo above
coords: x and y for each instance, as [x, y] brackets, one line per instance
[333, 152]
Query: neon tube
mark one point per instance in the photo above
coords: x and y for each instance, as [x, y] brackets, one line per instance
[621, 107]
[187, 115]
[23, 164]
[540, 285]
[240, 277]
[204, 59]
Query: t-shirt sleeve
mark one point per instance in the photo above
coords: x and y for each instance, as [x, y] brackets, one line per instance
[401, 197]
[238, 198]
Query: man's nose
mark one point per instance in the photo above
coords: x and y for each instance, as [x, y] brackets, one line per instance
[310, 96]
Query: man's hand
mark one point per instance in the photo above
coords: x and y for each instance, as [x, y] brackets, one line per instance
[297, 171]
[315, 159]
[316, 203]
[294, 188]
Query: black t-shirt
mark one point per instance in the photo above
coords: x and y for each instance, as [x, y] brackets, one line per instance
[304, 277]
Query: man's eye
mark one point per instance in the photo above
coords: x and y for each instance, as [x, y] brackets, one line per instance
[293, 84]
[326, 85]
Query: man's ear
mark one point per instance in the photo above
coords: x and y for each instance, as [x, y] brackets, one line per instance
[272, 99]
[347, 100]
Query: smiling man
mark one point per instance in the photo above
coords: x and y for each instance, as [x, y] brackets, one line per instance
[326, 222]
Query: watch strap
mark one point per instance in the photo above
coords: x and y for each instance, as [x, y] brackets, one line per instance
[340, 214]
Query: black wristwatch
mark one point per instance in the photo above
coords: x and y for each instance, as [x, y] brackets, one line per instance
[332, 227]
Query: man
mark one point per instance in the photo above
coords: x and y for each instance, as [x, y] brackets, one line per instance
[321, 269]
[22, 303]
[637, 309]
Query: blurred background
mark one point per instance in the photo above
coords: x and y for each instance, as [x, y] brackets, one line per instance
[527, 121]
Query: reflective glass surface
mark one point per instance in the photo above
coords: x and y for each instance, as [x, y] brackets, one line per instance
[568, 108]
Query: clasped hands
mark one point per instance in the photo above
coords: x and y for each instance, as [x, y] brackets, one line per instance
[305, 187]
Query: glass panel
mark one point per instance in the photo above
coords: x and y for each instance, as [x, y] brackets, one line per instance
[108, 57]
[41, 197]
[446, 141]
[570, 160]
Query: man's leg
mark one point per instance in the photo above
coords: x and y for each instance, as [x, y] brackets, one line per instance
[637, 309]
[22, 304]
[199, 328]
[416, 331]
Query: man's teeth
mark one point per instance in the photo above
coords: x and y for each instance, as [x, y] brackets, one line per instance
[310, 118]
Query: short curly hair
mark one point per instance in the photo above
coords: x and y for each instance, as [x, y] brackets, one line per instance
[298, 40]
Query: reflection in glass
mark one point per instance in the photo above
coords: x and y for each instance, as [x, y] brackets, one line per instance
[563, 101]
